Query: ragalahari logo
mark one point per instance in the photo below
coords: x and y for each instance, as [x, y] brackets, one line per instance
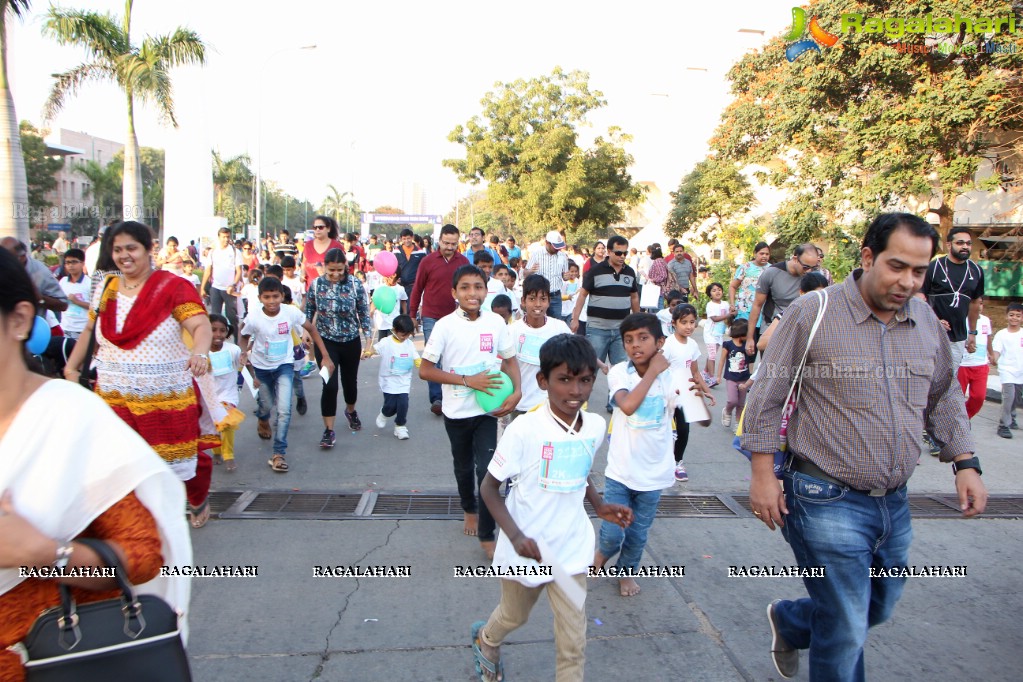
[818, 36]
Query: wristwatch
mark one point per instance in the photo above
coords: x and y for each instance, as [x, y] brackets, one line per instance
[973, 333]
[64, 552]
[971, 463]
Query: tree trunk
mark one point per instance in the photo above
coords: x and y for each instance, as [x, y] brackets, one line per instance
[946, 216]
[132, 188]
[14, 208]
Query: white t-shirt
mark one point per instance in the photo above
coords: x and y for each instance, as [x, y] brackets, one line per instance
[224, 365]
[665, 317]
[527, 351]
[572, 290]
[978, 358]
[224, 262]
[272, 345]
[75, 317]
[250, 292]
[383, 322]
[495, 288]
[466, 347]
[193, 278]
[714, 332]
[640, 455]
[397, 360]
[681, 355]
[297, 290]
[547, 499]
[1010, 362]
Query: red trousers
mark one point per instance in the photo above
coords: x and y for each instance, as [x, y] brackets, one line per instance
[973, 381]
[197, 488]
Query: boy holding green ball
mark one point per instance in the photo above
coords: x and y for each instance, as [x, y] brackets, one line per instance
[381, 320]
[474, 344]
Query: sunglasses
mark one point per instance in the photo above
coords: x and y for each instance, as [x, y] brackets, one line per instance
[807, 268]
[621, 254]
[319, 227]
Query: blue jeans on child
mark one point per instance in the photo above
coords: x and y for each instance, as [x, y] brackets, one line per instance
[396, 405]
[631, 540]
[847, 532]
[275, 386]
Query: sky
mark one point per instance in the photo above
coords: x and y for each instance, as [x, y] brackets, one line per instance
[370, 108]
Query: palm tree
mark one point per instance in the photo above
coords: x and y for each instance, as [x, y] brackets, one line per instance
[232, 181]
[140, 71]
[13, 185]
[335, 203]
[104, 185]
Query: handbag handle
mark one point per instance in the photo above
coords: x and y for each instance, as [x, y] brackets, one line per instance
[797, 379]
[134, 623]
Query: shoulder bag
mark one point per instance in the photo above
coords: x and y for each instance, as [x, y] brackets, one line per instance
[87, 377]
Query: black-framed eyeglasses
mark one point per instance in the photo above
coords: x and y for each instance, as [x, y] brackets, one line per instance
[962, 243]
[808, 268]
[620, 254]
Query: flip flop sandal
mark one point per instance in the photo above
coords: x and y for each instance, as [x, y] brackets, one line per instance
[218, 459]
[278, 464]
[263, 430]
[230, 466]
[198, 516]
[482, 662]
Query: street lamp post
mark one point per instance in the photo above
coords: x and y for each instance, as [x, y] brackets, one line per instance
[259, 138]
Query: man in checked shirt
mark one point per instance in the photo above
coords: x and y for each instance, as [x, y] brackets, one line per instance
[879, 369]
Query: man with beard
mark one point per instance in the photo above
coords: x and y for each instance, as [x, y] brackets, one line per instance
[954, 286]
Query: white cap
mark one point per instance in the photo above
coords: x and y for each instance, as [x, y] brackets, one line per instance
[555, 239]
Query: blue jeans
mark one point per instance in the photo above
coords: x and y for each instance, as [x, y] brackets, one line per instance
[607, 343]
[846, 532]
[554, 309]
[434, 388]
[396, 405]
[631, 540]
[275, 390]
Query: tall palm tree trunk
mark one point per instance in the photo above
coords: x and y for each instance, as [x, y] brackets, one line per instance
[14, 208]
[132, 192]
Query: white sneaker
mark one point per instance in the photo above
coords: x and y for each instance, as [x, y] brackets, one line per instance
[401, 432]
[381, 421]
[726, 419]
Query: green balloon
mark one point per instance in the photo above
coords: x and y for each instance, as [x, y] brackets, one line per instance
[489, 403]
[384, 299]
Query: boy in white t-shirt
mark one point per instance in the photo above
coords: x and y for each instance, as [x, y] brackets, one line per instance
[639, 454]
[529, 334]
[973, 370]
[398, 357]
[671, 299]
[683, 355]
[547, 454]
[1007, 354]
[78, 289]
[267, 340]
[474, 344]
[714, 329]
[188, 272]
[382, 322]
[292, 281]
[571, 293]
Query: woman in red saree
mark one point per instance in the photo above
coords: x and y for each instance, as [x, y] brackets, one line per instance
[145, 370]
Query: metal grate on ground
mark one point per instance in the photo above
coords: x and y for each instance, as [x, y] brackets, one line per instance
[341, 506]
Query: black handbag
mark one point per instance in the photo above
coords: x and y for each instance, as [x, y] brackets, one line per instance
[129, 638]
[87, 377]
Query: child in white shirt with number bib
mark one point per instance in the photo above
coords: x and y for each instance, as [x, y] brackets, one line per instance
[474, 345]
[547, 455]
[398, 357]
[529, 335]
[683, 355]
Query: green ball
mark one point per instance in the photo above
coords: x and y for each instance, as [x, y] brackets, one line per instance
[489, 403]
[384, 299]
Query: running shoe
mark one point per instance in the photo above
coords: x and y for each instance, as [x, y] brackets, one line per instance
[328, 439]
[726, 419]
[381, 421]
[307, 369]
[436, 408]
[401, 432]
[353, 420]
[1004, 431]
[680, 473]
[302, 405]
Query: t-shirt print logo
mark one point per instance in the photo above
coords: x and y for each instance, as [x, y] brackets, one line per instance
[487, 343]
[547, 452]
[282, 327]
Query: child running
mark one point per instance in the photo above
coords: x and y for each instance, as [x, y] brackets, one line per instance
[671, 299]
[639, 455]
[684, 356]
[1007, 354]
[225, 363]
[266, 336]
[384, 321]
[734, 363]
[529, 335]
[714, 329]
[547, 454]
[473, 344]
[397, 358]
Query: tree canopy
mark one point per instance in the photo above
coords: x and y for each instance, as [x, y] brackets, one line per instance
[864, 125]
[713, 189]
[39, 167]
[525, 146]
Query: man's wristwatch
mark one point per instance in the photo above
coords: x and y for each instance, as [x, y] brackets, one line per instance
[64, 552]
[971, 463]
[973, 333]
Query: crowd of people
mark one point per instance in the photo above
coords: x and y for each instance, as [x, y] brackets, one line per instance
[514, 341]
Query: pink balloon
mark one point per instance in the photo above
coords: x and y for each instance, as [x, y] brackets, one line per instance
[385, 263]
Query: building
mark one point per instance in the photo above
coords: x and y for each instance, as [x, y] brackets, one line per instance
[71, 197]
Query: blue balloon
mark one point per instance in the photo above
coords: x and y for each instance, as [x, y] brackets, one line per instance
[40, 337]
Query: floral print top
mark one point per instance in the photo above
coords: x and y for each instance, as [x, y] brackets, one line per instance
[339, 310]
[748, 275]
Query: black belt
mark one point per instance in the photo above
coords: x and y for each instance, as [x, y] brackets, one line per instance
[805, 466]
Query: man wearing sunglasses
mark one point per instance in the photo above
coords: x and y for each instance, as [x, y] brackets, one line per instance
[778, 287]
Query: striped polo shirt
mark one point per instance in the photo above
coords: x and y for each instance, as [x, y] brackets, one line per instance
[610, 295]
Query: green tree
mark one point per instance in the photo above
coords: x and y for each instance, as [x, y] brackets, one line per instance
[525, 147]
[104, 188]
[713, 189]
[477, 210]
[141, 71]
[39, 167]
[860, 127]
[14, 206]
[233, 184]
[343, 207]
[743, 236]
[152, 169]
[390, 229]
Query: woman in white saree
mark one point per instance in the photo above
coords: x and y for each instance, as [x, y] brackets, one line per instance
[72, 468]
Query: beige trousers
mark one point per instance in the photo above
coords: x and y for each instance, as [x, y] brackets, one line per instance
[517, 601]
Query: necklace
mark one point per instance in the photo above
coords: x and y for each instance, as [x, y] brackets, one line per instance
[133, 287]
